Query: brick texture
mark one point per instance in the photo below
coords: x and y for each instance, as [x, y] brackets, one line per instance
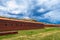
[8, 25]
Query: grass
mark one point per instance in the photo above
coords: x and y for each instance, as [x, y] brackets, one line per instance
[37, 34]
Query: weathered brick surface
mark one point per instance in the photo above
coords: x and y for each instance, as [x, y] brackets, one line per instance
[7, 25]
[52, 25]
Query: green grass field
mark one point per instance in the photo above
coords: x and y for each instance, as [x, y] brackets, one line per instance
[37, 34]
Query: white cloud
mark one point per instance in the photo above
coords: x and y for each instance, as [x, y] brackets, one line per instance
[53, 16]
[48, 4]
[2, 8]
[42, 10]
[26, 17]
[12, 6]
[15, 7]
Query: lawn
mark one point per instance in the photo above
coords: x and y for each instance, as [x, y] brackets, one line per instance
[37, 34]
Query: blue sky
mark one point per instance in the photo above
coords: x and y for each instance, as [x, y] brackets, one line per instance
[47, 11]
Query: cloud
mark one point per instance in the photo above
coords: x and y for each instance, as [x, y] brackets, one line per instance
[41, 10]
[15, 7]
[49, 11]
[53, 16]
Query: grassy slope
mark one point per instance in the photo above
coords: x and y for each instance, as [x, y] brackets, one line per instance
[38, 34]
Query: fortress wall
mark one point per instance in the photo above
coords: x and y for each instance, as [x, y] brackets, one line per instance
[52, 25]
[8, 25]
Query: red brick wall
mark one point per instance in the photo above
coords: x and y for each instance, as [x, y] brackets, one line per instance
[52, 25]
[7, 25]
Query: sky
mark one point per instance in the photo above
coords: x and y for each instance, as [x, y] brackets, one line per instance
[46, 11]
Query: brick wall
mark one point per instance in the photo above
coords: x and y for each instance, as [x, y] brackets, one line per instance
[52, 25]
[7, 25]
